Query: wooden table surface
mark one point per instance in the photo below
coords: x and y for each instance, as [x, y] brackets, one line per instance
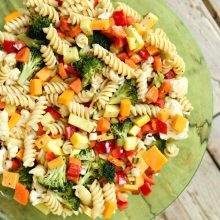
[201, 199]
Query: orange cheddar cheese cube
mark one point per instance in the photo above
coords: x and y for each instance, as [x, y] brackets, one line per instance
[20, 154]
[55, 163]
[10, 179]
[154, 158]
[128, 187]
[42, 141]
[139, 181]
[141, 165]
[66, 97]
[101, 24]
[45, 74]
[13, 120]
[179, 123]
[36, 87]
[164, 115]
[153, 51]
[125, 107]
[109, 209]
[12, 16]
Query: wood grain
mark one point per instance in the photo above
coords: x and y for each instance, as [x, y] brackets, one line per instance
[214, 8]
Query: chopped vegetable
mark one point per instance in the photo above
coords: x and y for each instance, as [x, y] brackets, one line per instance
[76, 85]
[62, 71]
[21, 194]
[109, 209]
[179, 123]
[13, 120]
[100, 24]
[66, 97]
[11, 16]
[23, 55]
[103, 125]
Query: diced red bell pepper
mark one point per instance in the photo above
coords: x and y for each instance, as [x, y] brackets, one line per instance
[60, 59]
[15, 164]
[127, 170]
[104, 147]
[117, 153]
[149, 179]
[61, 34]
[13, 46]
[170, 75]
[60, 2]
[49, 156]
[164, 89]
[153, 124]
[56, 115]
[150, 171]
[140, 134]
[122, 205]
[40, 130]
[145, 189]
[71, 70]
[69, 131]
[120, 18]
[120, 179]
[160, 102]
[130, 20]
[119, 42]
[161, 127]
[96, 2]
[143, 53]
[146, 128]
[73, 171]
[130, 153]
[65, 25]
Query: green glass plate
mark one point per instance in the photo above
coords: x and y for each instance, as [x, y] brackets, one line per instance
[177, 174]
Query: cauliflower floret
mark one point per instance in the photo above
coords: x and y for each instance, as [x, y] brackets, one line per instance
[12, 150]
[38, 171]
[2, 159]
[10, 59]
[104, 15]
[172, 134]
[35, 197]
[179, 87]
[4, 134]
[174, 107]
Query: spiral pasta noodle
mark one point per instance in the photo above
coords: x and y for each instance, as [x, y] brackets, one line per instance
[127, 10]
[97, 199]
[82, 40]
[110, 74]
[178, 64]
[19, 100]
[96, 82]
[112, 61]
[54, 128]
[6, 36]
[171, 150]
[109, 192]
[80, 110]
[67, 147]
[67, 212]
[17, 89]
[84, 195]
[17, 25]
[8, 75]
[34, 3]
[17, 132]
[55, 41]
[53, 203]
[84, 96]
[186, 105]
[75, 18]
[106, 93]
[49, 57]
[37, 113]
[142, 86]
[29, 150]
[55, 87]
[162, 43]
[53, 98]
[143, 109]
[48, 11]
[105, 6]
[41, 158]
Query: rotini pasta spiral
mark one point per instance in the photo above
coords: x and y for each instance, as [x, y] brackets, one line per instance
[167, 66]
[128, 10]
[97, 199]
[80, 110]
[6, 36]
[171, 150]
[17, 25]
[19, 100]
[29, 150]
[48, 11]
[49, 57]
[53, 203]
[17, 89]
[55, 87]
[84, 195]
[142, 86]
[75, 18]
[82, 40]
[18, 133]
[35, 3]
[67, 147]
[54, 128]
[55, 41]
[96, 82]
[110, 74]
[84, 96]
[186, 106]
[37, 113]
[108, 91]
[67, 212]
[112, 61]
[178, 64]
[105, 6]
[41, 158]
[53, 98]
[109, 192]
[9, 75]
[143, 109]
[161, 43]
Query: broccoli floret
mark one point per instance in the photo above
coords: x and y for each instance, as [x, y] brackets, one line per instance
[127, 91]
[68, 197]
[108, 171]
[54, 179]
[35, 30]
[29, 41]
[86, 155]
[87, 66]
[34, 64]
[24, 176]
[98, 38]
[120, 130]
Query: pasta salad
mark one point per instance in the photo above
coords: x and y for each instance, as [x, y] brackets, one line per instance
[92, 96]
